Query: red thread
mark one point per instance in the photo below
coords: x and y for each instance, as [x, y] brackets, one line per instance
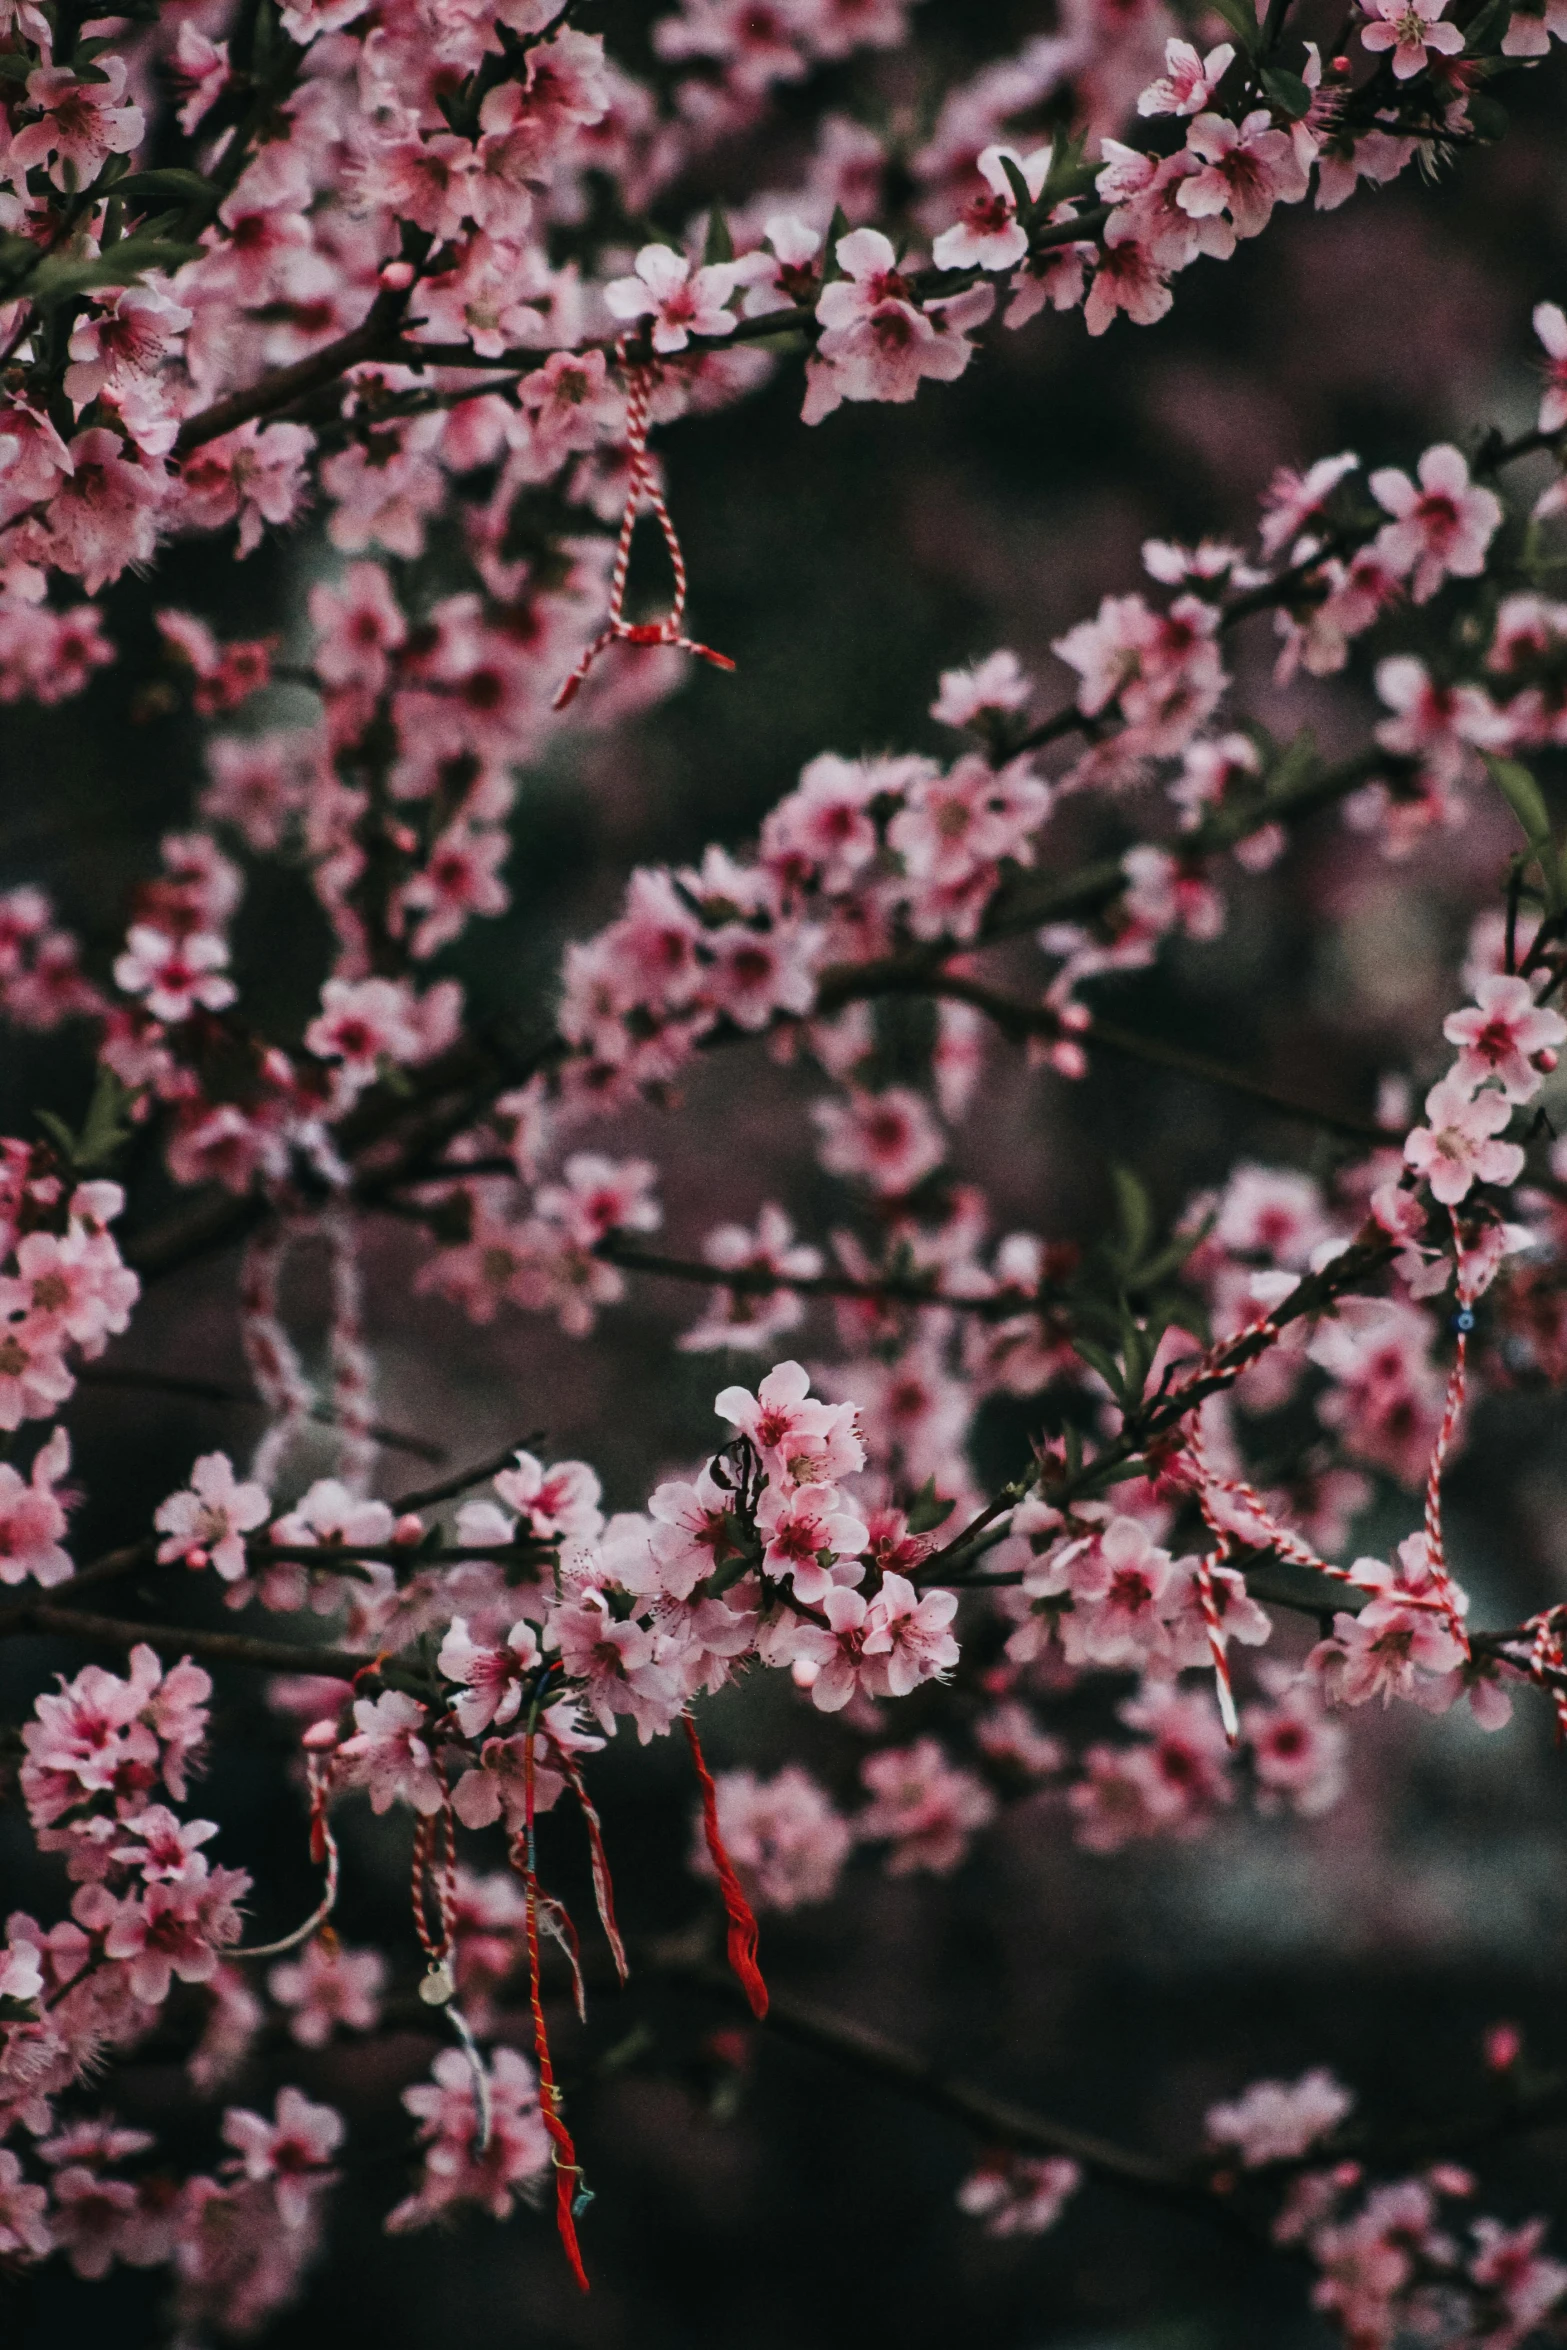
[641, 488]
[603, 1884]
[742, 1922]
[567, 2169]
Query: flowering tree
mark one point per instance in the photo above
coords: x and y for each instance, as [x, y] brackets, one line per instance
[1116, 1535]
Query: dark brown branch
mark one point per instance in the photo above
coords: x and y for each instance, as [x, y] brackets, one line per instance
[41, 1618]
[220, 1391]
[997, 2120]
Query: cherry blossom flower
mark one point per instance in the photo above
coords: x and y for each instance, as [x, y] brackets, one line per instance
[1440, 530]
[32, 1517]
[783, 1835]
[925, 1806]
[175, 976]
[389, 1755]
[80, 125]
[516, 2159]
[1457, 1148]
[681, 302]
[1413, 29]
[1026, 2195]
[911, 1632]
[890, 1138]
[1189, 80]
[207, 1523]
[293, 2151]
[329, 1987]
[1501, 1034]
[989, 234]
[561, 1501]
[804, 1529]
[494, 1676]
[1550, 325]
[998, 683]
[1247, 168]
[1278, 2121]
[746, 1318]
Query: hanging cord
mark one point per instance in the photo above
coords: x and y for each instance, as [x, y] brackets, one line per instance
[323, 1851]
[270, 1352]
[571, 2193]
[603, 1886]
[641, 490]
[353, 1368]
[1436, 1556]
[742, 1920]
[435, 1882]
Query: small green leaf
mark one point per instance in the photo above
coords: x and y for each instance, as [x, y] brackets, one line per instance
[1135, 1213]
[1242, 21]
[1100, 1359]
[14, 68]
[1295, 763]
[928, 1510]
[1488, 117]
[171, 186]
[1489, 29]
[837, 228]
[55, 280]
[1287, 92]
[1523, 795]
[1019, 186]
[720, 244]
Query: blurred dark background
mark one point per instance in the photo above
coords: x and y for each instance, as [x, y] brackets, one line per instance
[844, 567]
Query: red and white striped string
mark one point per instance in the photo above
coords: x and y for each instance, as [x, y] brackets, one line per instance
[270, 1352]
[353, 1367]
[642, 490]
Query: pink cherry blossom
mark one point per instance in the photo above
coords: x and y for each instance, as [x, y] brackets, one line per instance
[681, 302]
[783, 1834]
[1440, 530]
[1499, 1035]
[1278, 2121]
[1457, 1148]
[889, 1138]
[327, 1988]
[292, 2152]
[1189, 81]
[389, 1754]
[175, 976]
[1413, 29]
[208, 1522]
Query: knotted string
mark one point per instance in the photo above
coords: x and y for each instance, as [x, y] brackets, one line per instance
[641, 490]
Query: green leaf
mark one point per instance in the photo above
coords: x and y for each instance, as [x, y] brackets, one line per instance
[1135, 1213]
[1287, 92]
[1242, 21]
[1489, 28]
[14, 68]
[720, 244]
[1069, 175]
[1294, 764]
[928, 1510]
[105, 1130]
[172, 186]
[1488, 117]
[1523, 795]
[837, 228]
[1019, 186]
[1100, 1359]
[57, 280]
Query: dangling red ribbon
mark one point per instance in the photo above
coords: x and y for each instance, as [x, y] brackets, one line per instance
[567, 2170]
[742, 1921]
